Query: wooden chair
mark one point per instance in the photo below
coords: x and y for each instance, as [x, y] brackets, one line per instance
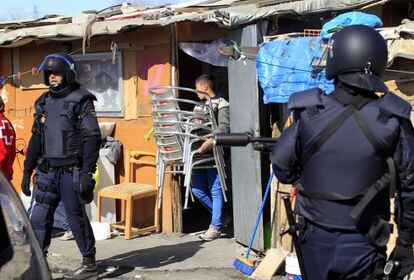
[130, 191]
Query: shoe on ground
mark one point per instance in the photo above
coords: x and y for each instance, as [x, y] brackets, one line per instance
[211, 234]
[67, 236]
[86, 271]
[18, 238]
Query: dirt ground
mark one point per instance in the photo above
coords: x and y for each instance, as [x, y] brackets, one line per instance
[159, 256]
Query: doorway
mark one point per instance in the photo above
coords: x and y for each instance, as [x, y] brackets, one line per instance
[196, 218]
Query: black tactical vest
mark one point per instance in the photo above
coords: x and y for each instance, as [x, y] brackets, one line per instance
[58, 120]
[339, 173]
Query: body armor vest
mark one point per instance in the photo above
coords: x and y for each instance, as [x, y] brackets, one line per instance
[58, 120]
[346, 165]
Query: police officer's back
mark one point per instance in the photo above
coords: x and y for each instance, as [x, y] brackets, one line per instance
[64, 148]
[347, 152]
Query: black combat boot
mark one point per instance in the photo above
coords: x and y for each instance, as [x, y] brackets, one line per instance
[88, 270]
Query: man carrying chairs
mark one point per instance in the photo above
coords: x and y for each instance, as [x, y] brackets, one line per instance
[206, 184]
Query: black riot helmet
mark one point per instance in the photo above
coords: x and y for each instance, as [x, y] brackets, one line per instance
[62, 63]
[357, 56]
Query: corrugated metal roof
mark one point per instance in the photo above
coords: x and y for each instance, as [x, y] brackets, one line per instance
[400, 41]
[232, 16]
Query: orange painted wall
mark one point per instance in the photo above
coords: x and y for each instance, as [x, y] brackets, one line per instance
[146, 62]
[151, 51]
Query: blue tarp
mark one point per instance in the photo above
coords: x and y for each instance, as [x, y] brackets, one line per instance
[285, 67]
[350, 18]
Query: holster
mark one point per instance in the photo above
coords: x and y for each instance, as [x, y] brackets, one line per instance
[379, 232]
[43, 166]
[303, 229]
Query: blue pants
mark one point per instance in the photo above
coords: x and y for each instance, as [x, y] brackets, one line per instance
[206, 187]
[64, 186]
[332, 255]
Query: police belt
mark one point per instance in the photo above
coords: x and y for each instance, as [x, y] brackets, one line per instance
[360, 201]
[44, 166]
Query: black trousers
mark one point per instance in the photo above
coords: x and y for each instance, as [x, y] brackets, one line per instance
[51, 187]
[336, 255]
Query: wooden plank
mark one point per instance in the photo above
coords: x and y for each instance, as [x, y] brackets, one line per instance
[177, 213]
[166, 208]
[177, 206]
[279, 219]
[286, 240]
[137, 231]
[130, 85]
[270, 263]
[281, 245]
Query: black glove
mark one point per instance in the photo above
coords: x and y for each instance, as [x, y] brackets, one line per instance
[87, 184]
[403, 253]
[26, 184]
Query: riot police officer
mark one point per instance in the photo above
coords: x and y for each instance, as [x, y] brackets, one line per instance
[347, 152]
[64, 148]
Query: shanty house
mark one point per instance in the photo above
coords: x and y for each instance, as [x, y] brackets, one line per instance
[121, 52]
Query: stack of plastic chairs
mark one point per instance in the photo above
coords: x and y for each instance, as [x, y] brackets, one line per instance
[179, 133]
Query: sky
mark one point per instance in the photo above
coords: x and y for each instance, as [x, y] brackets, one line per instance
[27, 9]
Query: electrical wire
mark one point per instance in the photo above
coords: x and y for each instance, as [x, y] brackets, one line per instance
[34, 70]
[280, 66]
[400, 71]
[19, 163]
[310, 71]
[21, 146]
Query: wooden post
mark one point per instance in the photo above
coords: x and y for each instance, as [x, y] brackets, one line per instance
[177, 205]
[177, 215]
[281, 246]
[99, 206]
[130, 84]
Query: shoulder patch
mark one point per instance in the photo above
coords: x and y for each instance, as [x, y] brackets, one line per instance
[396, 105]
[306, 98]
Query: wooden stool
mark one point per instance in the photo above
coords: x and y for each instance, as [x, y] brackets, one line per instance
[130, 191]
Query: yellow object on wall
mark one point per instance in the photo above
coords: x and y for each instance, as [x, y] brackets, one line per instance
[96, 178]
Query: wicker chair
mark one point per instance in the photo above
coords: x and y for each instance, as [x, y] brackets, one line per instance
[130, 191]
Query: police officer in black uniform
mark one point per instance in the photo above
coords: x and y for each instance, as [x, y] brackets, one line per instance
[64, 147]
[347, 152]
